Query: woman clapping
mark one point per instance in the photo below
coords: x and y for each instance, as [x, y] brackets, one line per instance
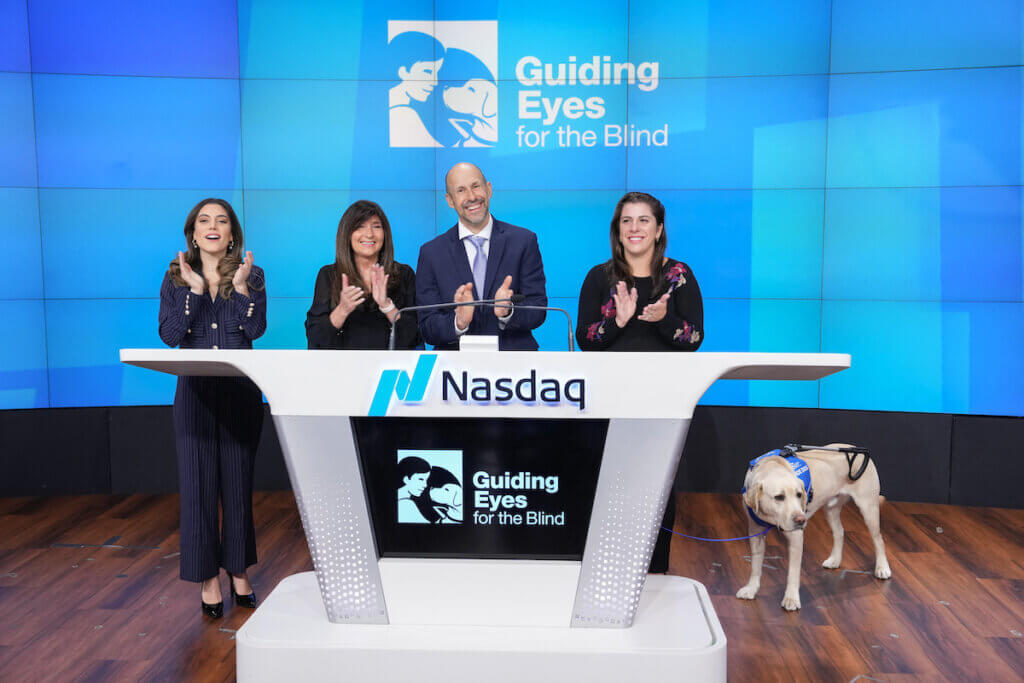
[212, 298]
[356, 298]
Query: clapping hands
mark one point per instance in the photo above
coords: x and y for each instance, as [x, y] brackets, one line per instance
[504, 292]
[625, 303]
[240, 281]
[463, 314]
[652, 313]
[379, 285]
[193, 279]
[351, 297]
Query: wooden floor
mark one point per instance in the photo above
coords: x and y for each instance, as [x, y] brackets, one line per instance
[89, 590]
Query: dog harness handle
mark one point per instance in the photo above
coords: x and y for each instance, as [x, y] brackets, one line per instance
[850, 453]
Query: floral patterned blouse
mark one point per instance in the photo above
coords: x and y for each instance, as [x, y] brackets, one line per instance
[681, 329]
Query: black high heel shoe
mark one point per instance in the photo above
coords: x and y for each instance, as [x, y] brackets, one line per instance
[213, 610]
[243, 600]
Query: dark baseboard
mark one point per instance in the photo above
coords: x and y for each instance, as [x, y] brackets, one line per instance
[921, 457]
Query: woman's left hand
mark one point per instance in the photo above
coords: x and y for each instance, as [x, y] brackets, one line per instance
[241, 279]
[379, 285]
[652, 313]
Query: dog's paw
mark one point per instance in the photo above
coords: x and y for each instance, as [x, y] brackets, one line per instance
[882, 571]
[747, 593]
[832, 562]
[791, 604]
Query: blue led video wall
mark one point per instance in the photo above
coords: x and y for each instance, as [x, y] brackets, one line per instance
[842, 175]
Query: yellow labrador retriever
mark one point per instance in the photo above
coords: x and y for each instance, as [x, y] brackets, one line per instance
[776, 496]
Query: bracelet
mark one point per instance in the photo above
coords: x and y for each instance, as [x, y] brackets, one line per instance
[391, 307]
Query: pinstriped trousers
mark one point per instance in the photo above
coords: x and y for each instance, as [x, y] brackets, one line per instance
[217, 424]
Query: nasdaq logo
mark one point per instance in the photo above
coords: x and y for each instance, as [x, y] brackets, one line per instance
[529, 389]
[461, 56]
[398, 383]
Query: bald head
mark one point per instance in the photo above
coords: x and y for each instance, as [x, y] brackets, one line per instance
[468, 192]
[463, 169]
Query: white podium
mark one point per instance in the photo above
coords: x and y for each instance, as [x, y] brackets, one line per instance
[366, 618]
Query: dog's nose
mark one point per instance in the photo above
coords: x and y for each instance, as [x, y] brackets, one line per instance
[800, 519]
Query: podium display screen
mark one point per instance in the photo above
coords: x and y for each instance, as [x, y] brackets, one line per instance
[480, 488]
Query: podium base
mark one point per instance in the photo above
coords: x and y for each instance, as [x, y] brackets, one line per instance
[481, 620]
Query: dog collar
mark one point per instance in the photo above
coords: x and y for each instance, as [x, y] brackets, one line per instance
[800, 469]
[757, 520]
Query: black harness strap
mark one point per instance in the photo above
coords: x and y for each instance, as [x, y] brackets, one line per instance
[851, 454]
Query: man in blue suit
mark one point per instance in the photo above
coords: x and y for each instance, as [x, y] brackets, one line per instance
[479, 258]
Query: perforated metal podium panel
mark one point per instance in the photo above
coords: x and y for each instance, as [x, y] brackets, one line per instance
[637, 471]
[320, 454]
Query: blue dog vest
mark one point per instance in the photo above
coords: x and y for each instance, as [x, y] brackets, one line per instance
[800, 469]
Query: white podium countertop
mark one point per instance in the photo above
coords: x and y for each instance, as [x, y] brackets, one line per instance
[452, 384]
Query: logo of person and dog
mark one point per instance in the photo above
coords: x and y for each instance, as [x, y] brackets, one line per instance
[429, 487]
[445, 73]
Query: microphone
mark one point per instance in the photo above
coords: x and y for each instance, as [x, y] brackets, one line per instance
[487, 303]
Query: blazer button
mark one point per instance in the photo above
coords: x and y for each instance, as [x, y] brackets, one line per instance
[239, 327]
[213, 325]
[190, 330]
[215, 346]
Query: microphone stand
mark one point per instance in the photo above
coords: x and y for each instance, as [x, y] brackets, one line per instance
[564, 312]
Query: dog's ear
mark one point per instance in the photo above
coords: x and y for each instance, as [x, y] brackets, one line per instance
[752, 497]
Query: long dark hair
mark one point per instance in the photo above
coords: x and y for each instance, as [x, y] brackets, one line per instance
[228, 264]
[345, 261]
[439, 477]
[618, 266]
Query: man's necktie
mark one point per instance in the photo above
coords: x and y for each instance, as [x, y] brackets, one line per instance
[479, 264]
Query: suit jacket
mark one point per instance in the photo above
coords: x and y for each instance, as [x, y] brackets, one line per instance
[195, 321]
[443, 267]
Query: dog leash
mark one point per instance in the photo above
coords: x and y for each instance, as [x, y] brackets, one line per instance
[719, 540]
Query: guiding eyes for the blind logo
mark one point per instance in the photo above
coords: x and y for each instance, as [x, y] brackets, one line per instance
[430, 491]
[445, 91]
[429, 487]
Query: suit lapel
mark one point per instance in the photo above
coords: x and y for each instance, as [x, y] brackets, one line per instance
[494, 253]
[457, 251]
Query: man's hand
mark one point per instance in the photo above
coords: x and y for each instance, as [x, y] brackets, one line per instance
[463, 314]
[504, 292]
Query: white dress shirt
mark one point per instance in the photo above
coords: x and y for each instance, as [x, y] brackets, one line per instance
[465, 233]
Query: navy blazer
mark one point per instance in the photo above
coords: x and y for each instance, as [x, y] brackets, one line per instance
[443, 267]
[195, 321]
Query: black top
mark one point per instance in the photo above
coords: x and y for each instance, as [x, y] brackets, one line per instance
[366, 327]
[682, 328]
